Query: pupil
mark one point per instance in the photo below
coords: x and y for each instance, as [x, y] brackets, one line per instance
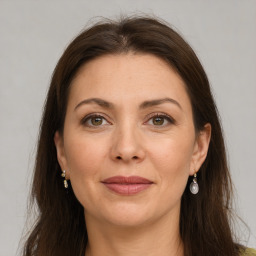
[97, 121]
[158, 120]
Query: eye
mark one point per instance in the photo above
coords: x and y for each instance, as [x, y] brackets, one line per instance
[94, 120]
[160, 120]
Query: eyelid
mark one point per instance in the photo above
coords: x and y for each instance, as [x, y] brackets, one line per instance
[87, 117]
[170, 119]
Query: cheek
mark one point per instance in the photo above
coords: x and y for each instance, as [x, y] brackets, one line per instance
[172, 153]
[84, 156]
[172, 158]
[85, 159]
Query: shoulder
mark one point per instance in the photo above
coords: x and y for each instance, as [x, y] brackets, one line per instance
[249, 252]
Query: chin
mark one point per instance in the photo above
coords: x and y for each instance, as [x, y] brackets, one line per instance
[127, 214]
[127, 220]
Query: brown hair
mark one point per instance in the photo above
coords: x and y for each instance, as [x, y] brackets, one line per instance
[60, 228]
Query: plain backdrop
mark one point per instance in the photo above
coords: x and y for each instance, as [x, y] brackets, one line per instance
[33, 35]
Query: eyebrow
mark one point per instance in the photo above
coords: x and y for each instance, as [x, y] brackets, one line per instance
[143, 105]
[151, 103]
[100, 102]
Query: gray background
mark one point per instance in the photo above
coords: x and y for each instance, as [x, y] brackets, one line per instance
[33, 35]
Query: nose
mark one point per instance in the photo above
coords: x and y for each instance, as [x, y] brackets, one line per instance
[127, 145]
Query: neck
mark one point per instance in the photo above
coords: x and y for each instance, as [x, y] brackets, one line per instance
[160, 238]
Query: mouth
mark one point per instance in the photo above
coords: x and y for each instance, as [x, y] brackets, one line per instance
[127, 185]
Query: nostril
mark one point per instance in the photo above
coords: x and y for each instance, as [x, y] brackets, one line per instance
[119, 157]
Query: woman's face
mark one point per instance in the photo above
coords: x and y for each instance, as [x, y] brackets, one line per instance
[129, 115]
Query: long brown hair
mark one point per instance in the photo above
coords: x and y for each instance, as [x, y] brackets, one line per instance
[60, 227]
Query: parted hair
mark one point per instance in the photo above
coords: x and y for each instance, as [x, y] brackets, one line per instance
[205, 219]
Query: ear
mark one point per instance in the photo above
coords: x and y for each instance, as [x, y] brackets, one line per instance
[200, 148]
[61, 155]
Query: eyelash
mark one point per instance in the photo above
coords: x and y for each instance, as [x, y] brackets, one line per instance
[169, 119]
[89, 117]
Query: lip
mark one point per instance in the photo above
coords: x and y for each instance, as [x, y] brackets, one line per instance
[127, 185]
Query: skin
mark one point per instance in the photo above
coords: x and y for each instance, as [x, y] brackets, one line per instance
[130, 140]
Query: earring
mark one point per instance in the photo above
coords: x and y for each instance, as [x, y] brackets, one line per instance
[65, 181]
[194, 188]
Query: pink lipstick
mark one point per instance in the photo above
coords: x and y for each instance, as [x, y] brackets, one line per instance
[127, 185]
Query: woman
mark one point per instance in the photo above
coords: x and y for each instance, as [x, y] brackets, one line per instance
[131, 158]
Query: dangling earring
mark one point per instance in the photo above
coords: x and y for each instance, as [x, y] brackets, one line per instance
[194, 188]
[65, 181]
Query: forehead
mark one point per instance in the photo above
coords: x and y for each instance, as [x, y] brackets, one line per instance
[126, 78]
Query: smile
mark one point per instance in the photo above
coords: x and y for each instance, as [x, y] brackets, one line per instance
[127, 185]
